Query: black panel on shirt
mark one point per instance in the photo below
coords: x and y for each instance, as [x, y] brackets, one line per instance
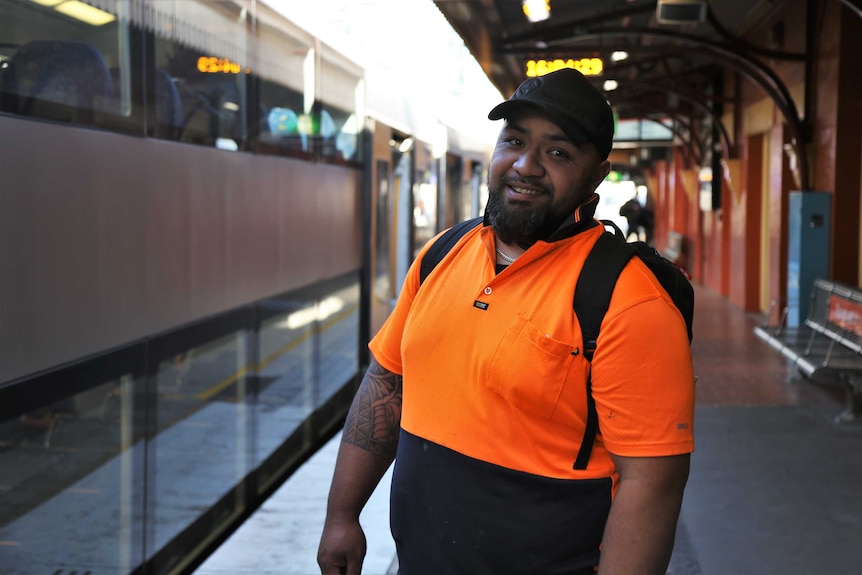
[452, 514]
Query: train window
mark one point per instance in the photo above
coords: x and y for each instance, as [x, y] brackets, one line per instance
[81, 456]
[207, 94]
[337, 136]
[200, 74]
[324, 132]
[202, 391]
[284, 128]
[84, 63]
[340, 107]
[69, 62]
[291, 381]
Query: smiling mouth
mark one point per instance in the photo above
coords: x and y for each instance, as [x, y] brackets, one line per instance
[525, 191]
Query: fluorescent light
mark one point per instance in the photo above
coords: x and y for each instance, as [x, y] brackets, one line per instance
[536, 10]
[405, 145]
[619, 56]
[85, 13]
[48, 3]
[226, 144]
[610, 85]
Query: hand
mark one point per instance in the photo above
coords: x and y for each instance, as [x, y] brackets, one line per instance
[342, 548]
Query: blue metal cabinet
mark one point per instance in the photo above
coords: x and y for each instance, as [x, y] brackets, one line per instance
[808, 254]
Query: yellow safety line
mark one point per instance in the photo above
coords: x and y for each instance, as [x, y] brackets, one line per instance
[222, 385]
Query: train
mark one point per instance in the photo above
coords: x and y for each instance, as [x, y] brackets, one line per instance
[203, 220]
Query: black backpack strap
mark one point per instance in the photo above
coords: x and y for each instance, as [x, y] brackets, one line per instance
[443, 245]
[593, 292]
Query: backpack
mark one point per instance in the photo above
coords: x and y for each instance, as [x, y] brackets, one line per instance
[603, 266]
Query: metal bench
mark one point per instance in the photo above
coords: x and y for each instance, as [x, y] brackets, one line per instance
[828, 346]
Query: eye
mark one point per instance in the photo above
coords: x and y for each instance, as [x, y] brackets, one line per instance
[559, 153]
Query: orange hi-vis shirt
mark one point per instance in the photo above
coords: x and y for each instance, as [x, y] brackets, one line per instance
[505, 384]
[494, 389]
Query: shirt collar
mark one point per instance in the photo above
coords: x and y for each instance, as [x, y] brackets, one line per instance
[582, 219]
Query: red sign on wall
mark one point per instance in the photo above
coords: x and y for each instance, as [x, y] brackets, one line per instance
[846, 314]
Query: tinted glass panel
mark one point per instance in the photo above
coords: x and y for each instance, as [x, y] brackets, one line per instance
[72, 495]
[284, 129]
[202, 416]
[307, 352]
[204, 96]
[68, 62]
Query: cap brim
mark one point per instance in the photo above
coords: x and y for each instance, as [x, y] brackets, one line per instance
[510, 107]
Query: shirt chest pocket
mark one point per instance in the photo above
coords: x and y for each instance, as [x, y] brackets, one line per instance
[530, 367]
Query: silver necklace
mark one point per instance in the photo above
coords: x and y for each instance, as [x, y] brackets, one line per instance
[505, 257]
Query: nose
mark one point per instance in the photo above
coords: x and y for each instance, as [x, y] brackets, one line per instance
[529, 163]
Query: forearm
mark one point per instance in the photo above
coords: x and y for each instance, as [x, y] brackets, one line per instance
[641, 527]
[369, 441]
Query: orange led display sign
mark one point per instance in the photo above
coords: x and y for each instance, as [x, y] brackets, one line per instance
[586, 66]
[212, 65]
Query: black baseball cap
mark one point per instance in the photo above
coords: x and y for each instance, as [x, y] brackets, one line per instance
[579, 109]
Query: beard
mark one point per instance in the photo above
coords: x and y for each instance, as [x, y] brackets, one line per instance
[518, 222]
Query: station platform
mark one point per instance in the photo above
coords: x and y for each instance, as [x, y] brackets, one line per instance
[775, 485]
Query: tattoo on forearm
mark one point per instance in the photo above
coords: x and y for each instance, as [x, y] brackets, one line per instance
[374, 420]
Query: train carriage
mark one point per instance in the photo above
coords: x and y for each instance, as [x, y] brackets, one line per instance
[199, 231]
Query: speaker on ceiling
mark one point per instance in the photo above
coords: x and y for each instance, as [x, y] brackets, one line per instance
[681, 11]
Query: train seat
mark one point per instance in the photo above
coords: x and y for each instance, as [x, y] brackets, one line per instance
[44, 73]
[169, 106]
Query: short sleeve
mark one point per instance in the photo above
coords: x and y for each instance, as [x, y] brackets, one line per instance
[642, 374]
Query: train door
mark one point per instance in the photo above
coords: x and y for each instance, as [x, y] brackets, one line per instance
[382, 288]
[763, 143]
[392, 229]
[425, 219]
[453, 192]
[402, 210]
[470, 196]
[480, 189]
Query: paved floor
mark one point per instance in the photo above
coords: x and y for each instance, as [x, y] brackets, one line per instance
[775, 487]
[775, 484]
[281, 537]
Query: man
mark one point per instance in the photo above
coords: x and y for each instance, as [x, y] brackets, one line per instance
[477, 384]
[639, 218]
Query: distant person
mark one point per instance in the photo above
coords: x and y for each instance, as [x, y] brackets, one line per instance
[640, 219]
[477, 384]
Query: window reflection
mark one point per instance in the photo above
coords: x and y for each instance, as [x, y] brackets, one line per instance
[306, 353]
[201, 420]
[66, 62]
[212, 80]
[145, 468]
[280, 110]
[68, 483]
[201, 95]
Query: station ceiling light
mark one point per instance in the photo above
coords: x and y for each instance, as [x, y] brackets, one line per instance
[536, 10]
[79, 11]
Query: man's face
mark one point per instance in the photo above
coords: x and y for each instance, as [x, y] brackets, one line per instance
[538, 177]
